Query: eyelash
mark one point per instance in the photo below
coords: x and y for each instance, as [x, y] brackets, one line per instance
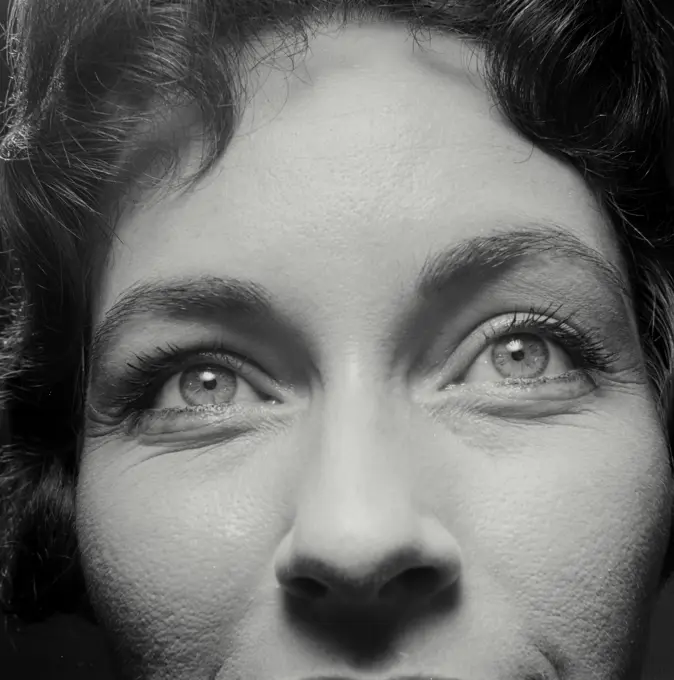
[140, 386]
[586, 348]
[144, 379]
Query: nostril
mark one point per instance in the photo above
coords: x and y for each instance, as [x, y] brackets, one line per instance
[414, 582]
[387, 565]
[307, 588]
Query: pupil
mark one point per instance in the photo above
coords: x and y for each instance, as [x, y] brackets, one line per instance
[209, 381]
[518, 355]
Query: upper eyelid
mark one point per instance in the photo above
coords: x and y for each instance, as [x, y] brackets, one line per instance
[532, 321]
[239, 364]
[536, 323]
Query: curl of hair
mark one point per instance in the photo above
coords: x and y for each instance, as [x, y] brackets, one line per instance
[93, 83]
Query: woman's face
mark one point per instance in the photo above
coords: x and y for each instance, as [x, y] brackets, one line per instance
[369, 402]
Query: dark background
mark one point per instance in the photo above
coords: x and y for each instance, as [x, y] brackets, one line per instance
[69, 648]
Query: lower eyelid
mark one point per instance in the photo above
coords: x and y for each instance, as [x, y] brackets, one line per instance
[512, 392]
[206, 422]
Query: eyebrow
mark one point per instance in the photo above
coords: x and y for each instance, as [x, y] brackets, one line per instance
[204, 296]
[502, 249]
[221, 296]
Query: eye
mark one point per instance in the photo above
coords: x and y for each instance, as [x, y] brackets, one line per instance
[207, 384]
[519, 356]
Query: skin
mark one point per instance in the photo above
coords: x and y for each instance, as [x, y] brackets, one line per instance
[280, 540]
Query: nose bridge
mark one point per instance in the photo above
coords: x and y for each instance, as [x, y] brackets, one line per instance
[359, 455]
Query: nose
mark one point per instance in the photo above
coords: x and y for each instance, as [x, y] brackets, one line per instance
[357, 536]
[368, 558]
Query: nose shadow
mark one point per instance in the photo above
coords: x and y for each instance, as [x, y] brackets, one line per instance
[369, 635]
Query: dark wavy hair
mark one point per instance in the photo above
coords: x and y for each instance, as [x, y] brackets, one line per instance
[93, 82]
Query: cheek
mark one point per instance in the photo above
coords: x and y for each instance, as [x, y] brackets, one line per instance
[175, 544]
[573, 522]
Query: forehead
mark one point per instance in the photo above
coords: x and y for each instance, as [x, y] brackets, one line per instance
[358, 160]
